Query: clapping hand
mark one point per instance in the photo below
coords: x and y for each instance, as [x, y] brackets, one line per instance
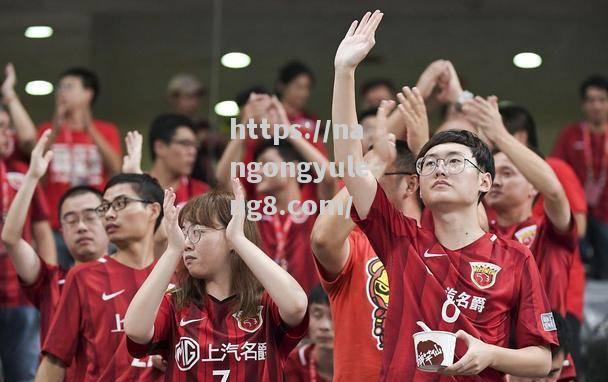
[175, 236]
[131, 163]
[40, 160]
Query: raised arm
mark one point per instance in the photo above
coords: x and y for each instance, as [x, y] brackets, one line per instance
[23, 256]
[24, 127]
[110, 158]
[485, 114]
[284, 290]
[357, 43]
[141, 314]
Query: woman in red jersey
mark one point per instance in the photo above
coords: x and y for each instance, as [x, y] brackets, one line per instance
[235, 314]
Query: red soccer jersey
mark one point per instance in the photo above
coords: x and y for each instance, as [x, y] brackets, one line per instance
[293, 251]
[553, 251]
[300, 366]
[77, 161]
[11, 176]
[571, 184]
[570, 147]
[189, 188]
[358, 299]
[491, 289]
[213, 344]
[90, 320]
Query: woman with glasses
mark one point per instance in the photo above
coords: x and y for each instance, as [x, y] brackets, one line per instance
[235, 314]
[90, 314]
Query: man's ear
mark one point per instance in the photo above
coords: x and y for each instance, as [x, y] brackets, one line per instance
[156, 209]
[159, 148]
[486, 182]
[409, 184]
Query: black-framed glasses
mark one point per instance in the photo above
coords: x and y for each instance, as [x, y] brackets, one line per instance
[88, 216]
[453, 163]
[118, 204]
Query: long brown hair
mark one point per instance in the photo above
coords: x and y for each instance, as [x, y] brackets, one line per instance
[213, 210]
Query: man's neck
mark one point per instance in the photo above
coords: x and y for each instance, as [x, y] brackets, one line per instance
[137, 254]
[514, 215]
[165, 177]
[75, 119]
[598, 128]
[286, 195]
[324, 358]
[457, 228]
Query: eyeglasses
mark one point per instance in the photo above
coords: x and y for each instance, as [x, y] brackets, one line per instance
[117, 204]
[185, 143]
[453, 163]
[88, 217]
[193, 233]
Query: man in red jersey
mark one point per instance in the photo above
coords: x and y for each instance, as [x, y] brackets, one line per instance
[173, 149]
[584, 146]
[82, 231]
[96, 295]
[314, 361]
[456, 278]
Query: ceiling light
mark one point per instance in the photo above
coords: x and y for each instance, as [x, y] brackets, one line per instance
[39, 88]
[227, 108]
[39, 31]
[235, 60]
[527, 60]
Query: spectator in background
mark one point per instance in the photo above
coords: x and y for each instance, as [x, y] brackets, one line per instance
[185, 94]
[314, 361]
[293, 88]
[86, 151]
[584, 145]
[376, 90]
[19, 320]
[173, 145]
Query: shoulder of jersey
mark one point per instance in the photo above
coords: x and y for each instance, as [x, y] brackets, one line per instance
[514, 248]
[89, 266]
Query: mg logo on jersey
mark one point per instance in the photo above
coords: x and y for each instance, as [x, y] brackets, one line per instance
[249, 324]
[187, 353]
[526, 235]
[484, 274]
[377, 293]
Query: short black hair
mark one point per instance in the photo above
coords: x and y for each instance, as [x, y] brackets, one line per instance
[76, 191]
[482, 154]
[377, 82]
[285, 148]
[293, 69]
[594, 81]
[318, 296]
[163, 128]
[145, 186]
[243, 96]
[406, 160]
[517, 118]
[370, 112]
[88, 77]
[563, 335]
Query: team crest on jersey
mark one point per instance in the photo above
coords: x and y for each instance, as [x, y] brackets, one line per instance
[187, 353]
[484, 274]
[526, 235]
[377, 293]
[249, 324]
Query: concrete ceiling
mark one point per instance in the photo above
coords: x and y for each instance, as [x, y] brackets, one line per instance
[136, 46]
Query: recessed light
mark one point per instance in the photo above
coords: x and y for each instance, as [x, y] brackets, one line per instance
[527, 60]
[39, 31]
[235, 60]
[39, 88]
[226, 108]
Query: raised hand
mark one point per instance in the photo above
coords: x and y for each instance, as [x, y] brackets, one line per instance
[358, 41]
[479, 356]
[435, 73]
[449, 85]
[412, 108]
[175, 236]
[235, 227]
[40, 160]
[384, 143]
[8, 86]
[486, 118]
[277, 113]
[131, 162]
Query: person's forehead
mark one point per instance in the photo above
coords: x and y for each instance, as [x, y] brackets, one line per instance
[80, 202]
[71, 79]
[124, 189]
[449, 148]
[183, 132]
[501, 160]
[595, 92]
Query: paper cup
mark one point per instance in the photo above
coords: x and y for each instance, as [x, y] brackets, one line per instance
[434, 350]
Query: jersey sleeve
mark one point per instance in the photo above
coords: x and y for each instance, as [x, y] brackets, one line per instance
[35, 291]
[112, 135]
[287, 338]
[159, 344]
[534, 324]
[383, 223]
[573, 188]
[64, 333]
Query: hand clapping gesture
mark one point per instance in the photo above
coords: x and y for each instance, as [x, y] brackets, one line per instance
[234, 230]
[358, 41]
[484, 115]
[175, 236]
[40, 160]
[8, 86]
[131, 162]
